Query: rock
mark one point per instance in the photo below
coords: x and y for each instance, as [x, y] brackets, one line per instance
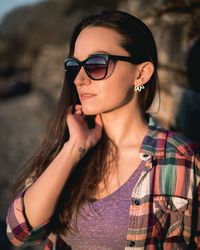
[48, 70]
[23, 122]
[39, 45]
[22, 126]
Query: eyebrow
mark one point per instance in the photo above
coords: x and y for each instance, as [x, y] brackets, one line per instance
[99, 52]
[94, 53]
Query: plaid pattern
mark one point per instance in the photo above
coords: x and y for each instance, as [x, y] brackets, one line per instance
[18, 228]
[165, 206]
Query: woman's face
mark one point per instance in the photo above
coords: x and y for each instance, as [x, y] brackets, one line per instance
[113, 92]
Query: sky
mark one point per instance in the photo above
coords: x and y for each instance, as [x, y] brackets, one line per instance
[8, 5]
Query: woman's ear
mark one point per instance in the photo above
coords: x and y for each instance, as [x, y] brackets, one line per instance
[145, 71]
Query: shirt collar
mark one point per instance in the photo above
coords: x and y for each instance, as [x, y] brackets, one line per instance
[155, 140]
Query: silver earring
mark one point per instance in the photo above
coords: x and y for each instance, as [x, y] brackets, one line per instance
[139, 88]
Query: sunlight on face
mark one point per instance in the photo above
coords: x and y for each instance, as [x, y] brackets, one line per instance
[106, 95]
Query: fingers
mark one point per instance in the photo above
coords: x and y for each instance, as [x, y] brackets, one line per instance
[98, 120]
[69, 111]
[77, 109]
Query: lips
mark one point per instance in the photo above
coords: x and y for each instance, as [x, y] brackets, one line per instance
[86, 96]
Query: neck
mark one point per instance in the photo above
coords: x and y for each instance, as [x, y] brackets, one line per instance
[125, 126]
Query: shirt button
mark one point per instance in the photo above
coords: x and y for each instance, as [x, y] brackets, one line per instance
[145, 156]
[137, 202]
[132, 244]
[169, 206]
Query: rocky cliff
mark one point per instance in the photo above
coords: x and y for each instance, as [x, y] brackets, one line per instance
[33, 46]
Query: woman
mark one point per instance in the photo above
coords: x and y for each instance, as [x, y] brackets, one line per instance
[107, 176]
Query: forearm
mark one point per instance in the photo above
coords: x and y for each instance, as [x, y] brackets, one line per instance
[41, 198]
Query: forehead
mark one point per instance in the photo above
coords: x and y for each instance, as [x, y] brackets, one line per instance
[93, 40]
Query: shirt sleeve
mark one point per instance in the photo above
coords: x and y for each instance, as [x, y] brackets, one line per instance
[19, 230]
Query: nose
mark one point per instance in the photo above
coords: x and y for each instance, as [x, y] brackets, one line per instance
[82, 78]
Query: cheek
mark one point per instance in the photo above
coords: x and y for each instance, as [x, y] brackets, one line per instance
[110, 95]
[120, 96]
[118, 91]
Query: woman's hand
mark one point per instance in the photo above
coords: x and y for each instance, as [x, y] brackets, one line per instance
[40, 209]
[79, 132]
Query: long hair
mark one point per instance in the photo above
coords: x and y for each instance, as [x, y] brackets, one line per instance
[93, 168]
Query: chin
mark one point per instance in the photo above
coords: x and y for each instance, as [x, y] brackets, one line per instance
[88, 111]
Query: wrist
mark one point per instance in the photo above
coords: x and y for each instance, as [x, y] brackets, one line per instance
[76, 150]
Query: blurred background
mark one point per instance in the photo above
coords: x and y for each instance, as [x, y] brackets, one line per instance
[34, 39]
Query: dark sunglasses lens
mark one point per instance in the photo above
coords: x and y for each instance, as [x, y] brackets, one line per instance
[96, 67]
[72, 67]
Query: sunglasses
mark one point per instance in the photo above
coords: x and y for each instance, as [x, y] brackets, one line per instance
[95, 66]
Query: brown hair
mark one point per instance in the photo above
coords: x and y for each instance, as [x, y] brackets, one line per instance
[82, 183]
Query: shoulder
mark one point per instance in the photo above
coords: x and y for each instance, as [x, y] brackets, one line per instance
[183, 152]
[181, 144]
[165, 143]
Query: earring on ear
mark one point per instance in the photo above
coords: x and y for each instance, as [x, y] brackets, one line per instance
[140, 87]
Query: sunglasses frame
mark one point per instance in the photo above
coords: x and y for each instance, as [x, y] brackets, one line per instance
[106, 57]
